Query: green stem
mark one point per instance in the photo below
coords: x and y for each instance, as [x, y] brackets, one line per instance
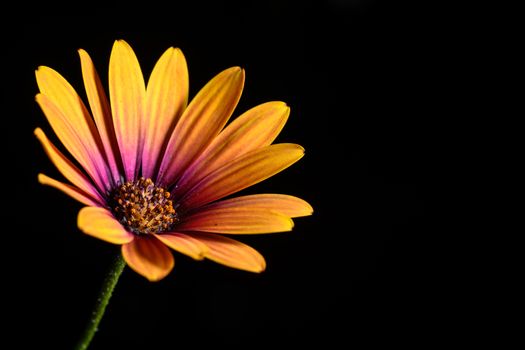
[105, 294]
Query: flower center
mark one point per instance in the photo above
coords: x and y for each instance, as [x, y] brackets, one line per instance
[142, 207]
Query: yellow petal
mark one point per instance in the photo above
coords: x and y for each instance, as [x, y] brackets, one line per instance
[236, 220]
[232, 253]
[256, 128]
[65, 100]
[68, 169]
[100, 223]
[148, 257]
[70, 139]
[243, 172]
[71, 191]
[127, 92]
[101, 111]
[204, 118]
[184, 244]
[166, 99]
[287, 205]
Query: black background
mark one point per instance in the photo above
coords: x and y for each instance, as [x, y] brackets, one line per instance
[363, 79]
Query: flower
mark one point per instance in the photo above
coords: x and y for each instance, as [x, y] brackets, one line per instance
[154, 171]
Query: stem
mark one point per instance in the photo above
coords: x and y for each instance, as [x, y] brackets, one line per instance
[103, 299]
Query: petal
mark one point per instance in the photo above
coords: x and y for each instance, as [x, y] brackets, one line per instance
[68, 169]
[70, 139]
[236, 221]
[65, 131]
[184, 244]
[166, 99]
[127, 91]
[100, 223]
[231, 253]
[67, 103]
[287, 205]
[243, 172]
[71, 191]
[204, 118]
[100, 109]
[255, 129]
[148, 257]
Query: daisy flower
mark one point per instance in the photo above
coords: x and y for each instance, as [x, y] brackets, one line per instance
[156, 172]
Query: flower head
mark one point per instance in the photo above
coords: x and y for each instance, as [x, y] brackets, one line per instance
[154, 171]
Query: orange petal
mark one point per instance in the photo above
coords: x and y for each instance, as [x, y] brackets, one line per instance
[166, 99]
[148, 257]
[237, 220]
[127, 91]
[68, 169]
[65, 100]
[204, 118]
[100, 109]
[100, 223]
[71, 140]
[184, 244]
[255, 129]
[231, 253]
[243, 172]
[287, 205]
[71, 191]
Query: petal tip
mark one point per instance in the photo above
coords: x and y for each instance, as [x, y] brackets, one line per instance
[287, 224]
[40, 70]
[261, 268]
[237, 71]
[175, 53]
[300, 149]
[38, 133]
[310, 210]
[81, 218]
[291, 223]
[41, 178]
[277, 105]
[155, 278]
[281, 109]
[121, 43]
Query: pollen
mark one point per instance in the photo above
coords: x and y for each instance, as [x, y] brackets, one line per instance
[142, 207]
